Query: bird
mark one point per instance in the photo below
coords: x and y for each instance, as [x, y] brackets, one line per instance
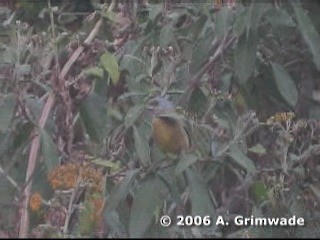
[168, 131]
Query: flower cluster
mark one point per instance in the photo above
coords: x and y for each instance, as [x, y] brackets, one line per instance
[281, 117]
[35, 201]
[68, 175]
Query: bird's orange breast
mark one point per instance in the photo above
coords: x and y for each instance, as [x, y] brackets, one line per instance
[170, 135]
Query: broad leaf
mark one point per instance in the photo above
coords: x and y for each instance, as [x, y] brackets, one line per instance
[49, 151]
[241, 21]
[259, 191]
[110, 64]
[309, 33]
[114, 225]
[132, 115]
[197, 28]
[7, 105]
[155, 10]
[223, 19]
[167, 35]
[149, 197]
[94, 72]
[245, 56]
[241, 159]
[120, 192]
[258, 9]
[198, 101]
[142, 146]
[185, 161]
[93, 113]
[201, 201]
[280, 17]
[35, 106]
[201, 52]
[285, 84]
[112, 165]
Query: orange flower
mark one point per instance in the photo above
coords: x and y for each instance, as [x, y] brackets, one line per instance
[35, 201]
[66, 176]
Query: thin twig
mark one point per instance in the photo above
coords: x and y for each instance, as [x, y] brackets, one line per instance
[10, 179]
[206, 67]
[70, 207]
[56, 54]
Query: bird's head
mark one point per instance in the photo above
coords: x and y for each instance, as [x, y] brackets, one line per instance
[160, 105]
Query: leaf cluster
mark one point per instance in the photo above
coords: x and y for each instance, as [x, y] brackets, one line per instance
[242, 75]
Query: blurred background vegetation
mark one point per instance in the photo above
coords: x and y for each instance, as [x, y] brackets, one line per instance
[77, 75]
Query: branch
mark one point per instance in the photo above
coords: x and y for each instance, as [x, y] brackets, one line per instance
[206, 67]
[24, 219]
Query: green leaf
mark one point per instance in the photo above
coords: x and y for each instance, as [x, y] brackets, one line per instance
[201, 52]
[185, 161]
[258, 9]
[285, 84]
[7, 105]
[49, 151]
[7, 193]
[121, 191]
[167, 35]
[110, 64]
[35, 106]
[114, 225]
[223, 20]
[241, 22]
[155, 10]
[142, 146]
[245, 57]
[93, 113]
[279, 17]
[238, 156]
[171, 180]
[259, 191]
[132, 115]
[198, 27]
[149, 197]
[258, 148]
[94, 72]
[201, 201]
[198, 101]
[132, 63]
[23, 134]
[309, 33]
[249, 18]
[114, 166]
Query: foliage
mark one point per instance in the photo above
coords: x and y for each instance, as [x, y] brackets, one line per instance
[243, 76]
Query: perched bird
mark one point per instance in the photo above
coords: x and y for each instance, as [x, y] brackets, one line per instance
[168, 131]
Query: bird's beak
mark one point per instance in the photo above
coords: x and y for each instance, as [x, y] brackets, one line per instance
[150, 109]
[150, 105]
